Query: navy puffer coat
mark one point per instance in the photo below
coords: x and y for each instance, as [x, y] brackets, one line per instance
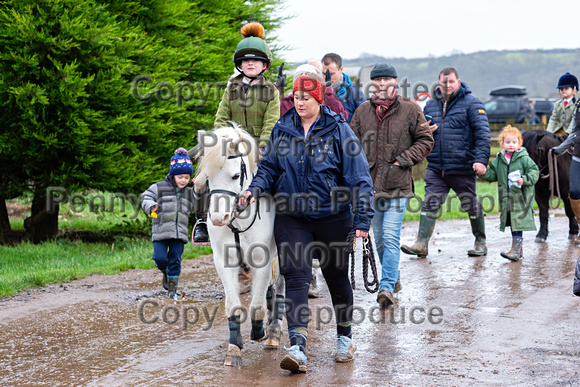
[462, 137]
[307, 174]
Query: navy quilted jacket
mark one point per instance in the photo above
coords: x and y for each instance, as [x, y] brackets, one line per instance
[463, 136]
[306, 173]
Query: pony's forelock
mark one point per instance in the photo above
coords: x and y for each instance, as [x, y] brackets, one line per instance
[233, 140]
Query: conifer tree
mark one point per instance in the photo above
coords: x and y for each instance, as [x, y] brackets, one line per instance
[71, 110]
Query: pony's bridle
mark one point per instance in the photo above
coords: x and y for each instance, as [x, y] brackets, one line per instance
[237, 211]
[243, 176]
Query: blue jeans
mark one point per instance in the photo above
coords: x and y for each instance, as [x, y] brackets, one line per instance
[518, 234]
[387, 224]
[167, 256]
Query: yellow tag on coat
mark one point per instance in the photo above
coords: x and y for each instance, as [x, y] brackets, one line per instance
[481, 111]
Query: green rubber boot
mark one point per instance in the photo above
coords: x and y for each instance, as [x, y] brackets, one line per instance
[426, 226]
[478, 229]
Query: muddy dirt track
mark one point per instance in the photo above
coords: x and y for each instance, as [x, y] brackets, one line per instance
[503, 323]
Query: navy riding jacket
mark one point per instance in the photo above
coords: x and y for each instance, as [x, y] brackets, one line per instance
[313, 177]
[462, 137]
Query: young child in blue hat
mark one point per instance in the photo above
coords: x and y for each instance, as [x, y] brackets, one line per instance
[169, 202]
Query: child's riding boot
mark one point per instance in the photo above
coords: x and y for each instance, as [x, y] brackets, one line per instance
[426, 226]
[201, 235]
[201, 203]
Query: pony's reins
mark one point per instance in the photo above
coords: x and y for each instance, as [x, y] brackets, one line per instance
[554, 177]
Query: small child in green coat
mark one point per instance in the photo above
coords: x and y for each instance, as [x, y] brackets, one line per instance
[250, 100]
[516, 174]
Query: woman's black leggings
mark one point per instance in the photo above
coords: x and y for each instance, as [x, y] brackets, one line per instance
[298, 241]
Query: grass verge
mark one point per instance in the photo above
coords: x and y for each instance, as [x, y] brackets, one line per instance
[27, 265]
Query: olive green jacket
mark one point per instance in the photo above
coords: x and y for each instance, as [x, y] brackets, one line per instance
[256, 110]
[561, 117]
[518, 201]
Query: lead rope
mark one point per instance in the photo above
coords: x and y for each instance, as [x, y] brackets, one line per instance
[368, 260]
[554, 180]
[236, 231]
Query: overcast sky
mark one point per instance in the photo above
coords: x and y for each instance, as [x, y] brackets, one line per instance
[419, 28]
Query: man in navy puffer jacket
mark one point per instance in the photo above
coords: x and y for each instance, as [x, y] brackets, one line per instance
[462, 146]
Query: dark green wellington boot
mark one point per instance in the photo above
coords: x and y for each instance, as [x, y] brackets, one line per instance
[478, 229]
[426, 226]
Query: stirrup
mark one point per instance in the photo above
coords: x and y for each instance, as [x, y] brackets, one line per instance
[198, 243]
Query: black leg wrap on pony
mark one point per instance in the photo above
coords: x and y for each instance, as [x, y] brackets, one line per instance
[257, 330]
[235, 333]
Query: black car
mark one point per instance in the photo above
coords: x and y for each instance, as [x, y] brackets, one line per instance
[511, 103]
[544, 107]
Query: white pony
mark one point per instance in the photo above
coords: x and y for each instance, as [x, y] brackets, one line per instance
[228, 161]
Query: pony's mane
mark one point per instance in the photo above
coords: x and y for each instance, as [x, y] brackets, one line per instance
[534, 137]
[231, 140]
[530, 142]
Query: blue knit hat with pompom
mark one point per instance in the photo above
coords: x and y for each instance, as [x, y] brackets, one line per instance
[180, 164]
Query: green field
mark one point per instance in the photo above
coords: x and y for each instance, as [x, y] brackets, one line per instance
[27, 265]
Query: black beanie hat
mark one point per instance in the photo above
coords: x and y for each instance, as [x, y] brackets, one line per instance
[383, 70]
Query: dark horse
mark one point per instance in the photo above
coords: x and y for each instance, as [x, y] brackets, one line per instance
[538, 143]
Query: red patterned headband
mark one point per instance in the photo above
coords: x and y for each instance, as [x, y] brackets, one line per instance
[311, 86]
